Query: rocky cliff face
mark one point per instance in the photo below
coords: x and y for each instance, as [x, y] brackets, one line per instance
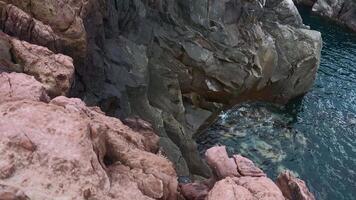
[173, 63]
[342, 11]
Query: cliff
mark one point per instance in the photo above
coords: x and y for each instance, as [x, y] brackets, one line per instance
[172, 63]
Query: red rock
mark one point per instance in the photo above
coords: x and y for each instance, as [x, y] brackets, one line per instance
[79, 153]
[194, 191]
[18, 23]
[227, 189]
[146, 129]
[246, 167]
[16, 86]
[293, 188]
[260, 187]
[54, 71]
[222, 165]
[11, 193]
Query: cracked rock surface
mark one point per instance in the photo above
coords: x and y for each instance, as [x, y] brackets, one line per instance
[173, 63]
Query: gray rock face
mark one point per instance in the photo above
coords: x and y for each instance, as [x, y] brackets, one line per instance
[342, 11]
[171, 61]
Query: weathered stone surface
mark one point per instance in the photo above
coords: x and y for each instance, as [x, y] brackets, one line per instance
[220, 162]
[18, 86]
[293, 188]
[65, 150]
[246, 167]
[250, 184]
[159, 60]
[342, 11]
[58, 23]
[11, 193]
[55, 71]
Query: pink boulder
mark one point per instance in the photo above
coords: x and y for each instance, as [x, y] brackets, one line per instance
[16, 86]
[293, 188]
[219, 161]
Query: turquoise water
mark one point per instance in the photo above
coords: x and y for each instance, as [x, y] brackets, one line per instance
[314, 136]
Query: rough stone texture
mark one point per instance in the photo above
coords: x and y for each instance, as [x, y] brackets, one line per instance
[17, 86]
[293, 188]
[250, 184]
[342, 11]
[220, 162]
[247, 168]
[57, 25]
[54, 71]
[171, 62]
[65, 150]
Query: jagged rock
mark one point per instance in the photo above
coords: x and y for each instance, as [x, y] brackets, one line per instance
[18, 86]
[250, 184]
[246, 167]
[220, 162]
[55, 71]
[342, 11]
[293, 188]
[58, 23]
[66, 150]
[157, 59]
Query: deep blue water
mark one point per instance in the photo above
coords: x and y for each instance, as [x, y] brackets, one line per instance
[314, 136]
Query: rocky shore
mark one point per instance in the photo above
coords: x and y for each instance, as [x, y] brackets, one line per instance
[171, 63]
[341, 11]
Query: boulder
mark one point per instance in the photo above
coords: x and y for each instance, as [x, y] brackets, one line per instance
[18, 86]
[292, 187]
[54, 71]
[219, 161]
[251, 183]
[65, 150]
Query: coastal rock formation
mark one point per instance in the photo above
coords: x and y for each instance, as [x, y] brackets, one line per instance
[293, 188]
[173, 63]
[342, 11]
[65, 150]
[54, 71]
[251, 185]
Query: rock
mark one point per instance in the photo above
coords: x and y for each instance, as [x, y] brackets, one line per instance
[11, 193]
[246, 167]
[194, 191]
[157, 59]
[17, 86]
[227, 189]
[221, 164]
[18, 23]
[250, 184]
[67, 150]
[55, 71]
[342, 11]
[292, 187]
[57, 25]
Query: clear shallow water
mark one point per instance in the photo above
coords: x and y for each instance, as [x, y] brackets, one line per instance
[314, 136]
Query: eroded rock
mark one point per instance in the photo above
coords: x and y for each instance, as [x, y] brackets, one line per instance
[292, 187]
[67, 150]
